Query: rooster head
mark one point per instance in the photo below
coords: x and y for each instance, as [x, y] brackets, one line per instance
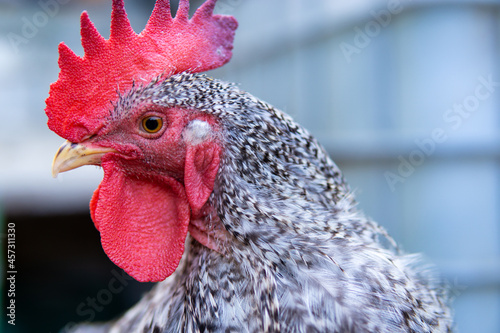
[159, 163]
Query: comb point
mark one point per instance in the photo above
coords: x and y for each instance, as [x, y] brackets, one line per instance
[182, 11]
[206, 9]
[120, 24]
[68, 60]
[92, 41]
[160, 17]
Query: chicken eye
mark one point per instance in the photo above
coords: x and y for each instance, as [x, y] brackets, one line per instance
[152, 124]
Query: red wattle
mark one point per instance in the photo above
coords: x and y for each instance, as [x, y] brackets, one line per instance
[200, 171]
[143, 222]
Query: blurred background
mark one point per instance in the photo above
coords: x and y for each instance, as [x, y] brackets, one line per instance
[403, 94]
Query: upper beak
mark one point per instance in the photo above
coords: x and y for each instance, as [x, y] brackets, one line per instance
[73, 155]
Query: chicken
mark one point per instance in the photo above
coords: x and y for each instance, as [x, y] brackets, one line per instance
[237, 209]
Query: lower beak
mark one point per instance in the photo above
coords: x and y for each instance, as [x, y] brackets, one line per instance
[73, 155]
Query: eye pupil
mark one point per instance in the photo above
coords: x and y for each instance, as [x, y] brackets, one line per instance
[152, 124]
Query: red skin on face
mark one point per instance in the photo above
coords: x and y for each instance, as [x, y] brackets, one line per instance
[155, 189]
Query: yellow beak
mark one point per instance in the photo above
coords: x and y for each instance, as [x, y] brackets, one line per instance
[73, 155]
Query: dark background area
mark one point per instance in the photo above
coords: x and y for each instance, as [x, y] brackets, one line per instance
[60, 265]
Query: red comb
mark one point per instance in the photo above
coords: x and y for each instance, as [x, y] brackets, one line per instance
[80, 99]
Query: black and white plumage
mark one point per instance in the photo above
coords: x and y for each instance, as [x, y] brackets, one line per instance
[294, 253]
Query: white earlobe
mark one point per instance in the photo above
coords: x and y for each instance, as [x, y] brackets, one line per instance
[196, 132]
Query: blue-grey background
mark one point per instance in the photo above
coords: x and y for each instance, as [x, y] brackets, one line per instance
[403, 94]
